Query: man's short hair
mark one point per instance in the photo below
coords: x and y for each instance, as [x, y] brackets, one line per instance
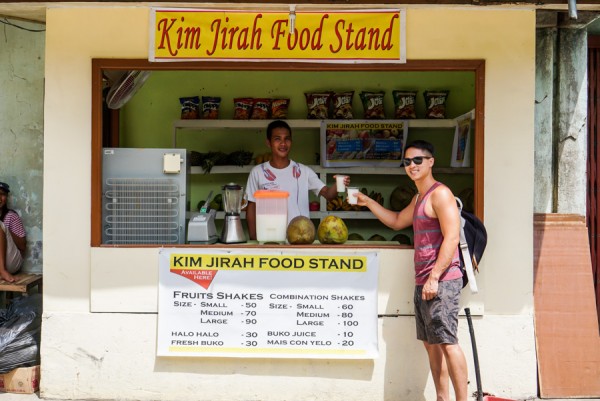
[422, 145]
[277, 124]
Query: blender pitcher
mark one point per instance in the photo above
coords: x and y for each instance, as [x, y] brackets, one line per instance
[234, 200]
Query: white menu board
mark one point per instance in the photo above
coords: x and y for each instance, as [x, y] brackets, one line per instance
[249, 303]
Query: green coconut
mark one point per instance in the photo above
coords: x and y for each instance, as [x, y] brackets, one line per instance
[332, 230]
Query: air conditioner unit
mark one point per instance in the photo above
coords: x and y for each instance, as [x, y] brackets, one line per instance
[144, 196]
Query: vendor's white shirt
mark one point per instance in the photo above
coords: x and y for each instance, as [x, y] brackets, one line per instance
[296, 178]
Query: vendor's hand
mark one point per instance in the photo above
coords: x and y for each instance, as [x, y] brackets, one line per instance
[430, 289]
[346, 180]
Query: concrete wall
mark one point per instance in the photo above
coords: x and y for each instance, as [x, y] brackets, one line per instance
[22, 128]
[112, 355]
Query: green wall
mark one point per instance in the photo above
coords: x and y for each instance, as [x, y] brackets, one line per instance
[146, 121]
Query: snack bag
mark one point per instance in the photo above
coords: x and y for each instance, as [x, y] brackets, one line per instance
[260, 109]
[190, 107]
[210, 107]
[435, 104]
[242, 108]
[279, 108]
[318, 105]
[373, 104]
[404, 104]
[342, 105]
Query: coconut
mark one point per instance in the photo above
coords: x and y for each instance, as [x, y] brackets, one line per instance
[300, 230]
[355, 237]
[377, 237]
[332, 230]
[402, 238]
[401, 197]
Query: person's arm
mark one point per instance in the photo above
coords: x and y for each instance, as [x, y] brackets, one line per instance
[20, 242]
[394, 220]
[331, 192]
[443, 205]
[251, 219]
[15, 228]
[328, 193]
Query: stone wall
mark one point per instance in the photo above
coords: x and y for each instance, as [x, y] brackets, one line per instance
[22, 46]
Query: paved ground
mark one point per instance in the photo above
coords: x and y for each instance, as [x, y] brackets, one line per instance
[35, 397]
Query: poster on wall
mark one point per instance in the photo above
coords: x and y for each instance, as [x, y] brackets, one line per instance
[259, 304]
[373, 143]
[461, 147]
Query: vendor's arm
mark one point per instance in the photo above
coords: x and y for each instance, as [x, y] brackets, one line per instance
[251, 219]
[328, 193]
[331, 192]
[392, 219]
[443, 206]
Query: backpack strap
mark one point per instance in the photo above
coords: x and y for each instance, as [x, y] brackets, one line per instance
[464, 249]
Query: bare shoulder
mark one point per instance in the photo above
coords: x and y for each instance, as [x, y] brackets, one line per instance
[443, 201]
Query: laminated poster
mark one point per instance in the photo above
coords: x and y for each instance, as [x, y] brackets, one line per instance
[461, 147]
[267, 304]
[372, 143]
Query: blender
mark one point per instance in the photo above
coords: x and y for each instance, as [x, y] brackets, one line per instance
[234, 200]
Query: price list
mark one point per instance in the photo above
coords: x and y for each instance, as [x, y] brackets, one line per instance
[288, 313]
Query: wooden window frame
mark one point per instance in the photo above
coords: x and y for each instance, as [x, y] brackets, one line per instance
[98, 65]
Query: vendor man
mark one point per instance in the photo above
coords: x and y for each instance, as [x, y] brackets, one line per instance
[283, 174]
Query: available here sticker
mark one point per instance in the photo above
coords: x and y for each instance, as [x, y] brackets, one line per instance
[340, 36]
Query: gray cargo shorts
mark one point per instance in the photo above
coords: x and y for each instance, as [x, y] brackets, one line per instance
[437, 319]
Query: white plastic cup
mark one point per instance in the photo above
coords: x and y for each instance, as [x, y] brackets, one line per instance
[353, 200]
[339, 182]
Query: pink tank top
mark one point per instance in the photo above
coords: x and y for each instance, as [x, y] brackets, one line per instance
[428, 239]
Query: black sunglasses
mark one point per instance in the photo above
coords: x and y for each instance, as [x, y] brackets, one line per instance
[418, 160]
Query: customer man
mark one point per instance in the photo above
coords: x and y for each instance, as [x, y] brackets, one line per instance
[12, 238]
[438, 280]
[282, 173]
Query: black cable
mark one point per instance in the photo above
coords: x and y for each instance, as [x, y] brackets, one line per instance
[7, 22]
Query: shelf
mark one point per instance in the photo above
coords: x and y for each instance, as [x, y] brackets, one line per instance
[295, 123]
[260, 125]
[345, 170]
[343, 215]
[313, 215]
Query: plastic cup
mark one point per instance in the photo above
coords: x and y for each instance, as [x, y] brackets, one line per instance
[353, 200]
[339, 182]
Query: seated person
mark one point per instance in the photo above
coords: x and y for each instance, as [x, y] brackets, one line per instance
[12, 238]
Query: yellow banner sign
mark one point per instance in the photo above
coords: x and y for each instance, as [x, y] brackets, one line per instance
[226, 35]
[196, 262]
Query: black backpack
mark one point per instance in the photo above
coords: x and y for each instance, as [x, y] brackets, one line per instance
[473, 239]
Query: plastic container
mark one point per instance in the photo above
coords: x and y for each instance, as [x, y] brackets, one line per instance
[271, 215]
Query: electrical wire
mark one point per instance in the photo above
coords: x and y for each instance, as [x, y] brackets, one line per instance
[7, 22]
